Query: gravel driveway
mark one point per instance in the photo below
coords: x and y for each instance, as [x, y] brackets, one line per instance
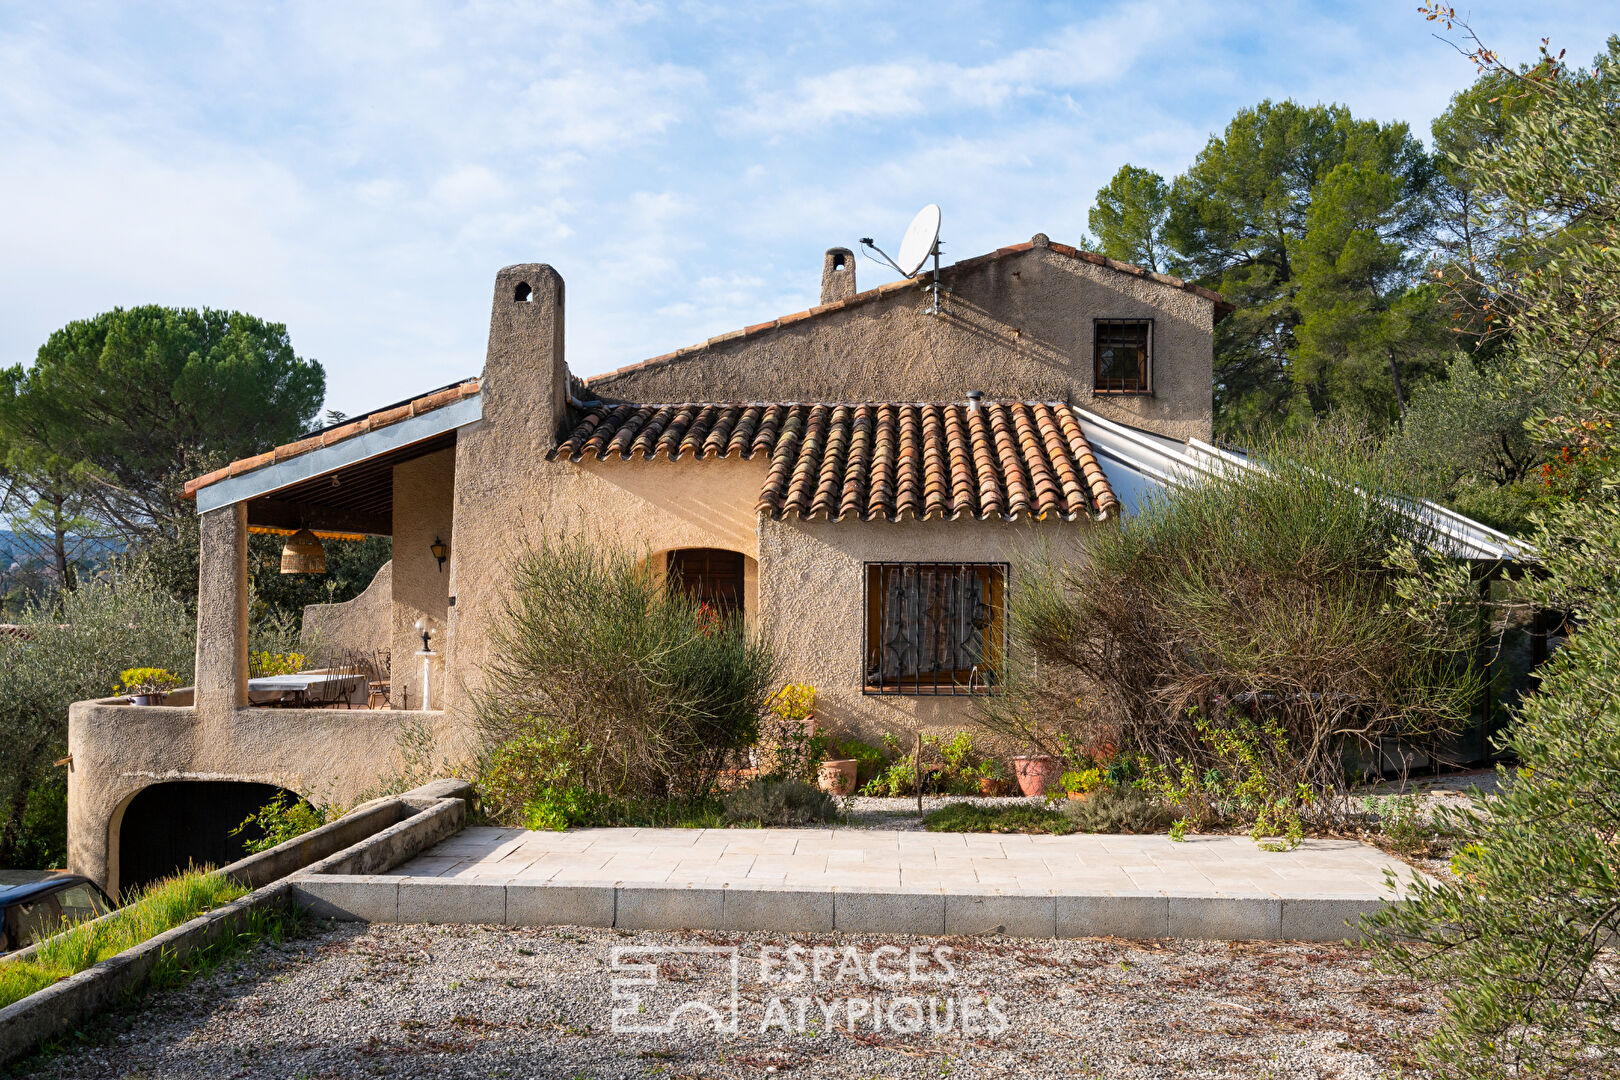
[461, 1001]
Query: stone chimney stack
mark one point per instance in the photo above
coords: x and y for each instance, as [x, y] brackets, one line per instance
[837, 275]
[525, 383]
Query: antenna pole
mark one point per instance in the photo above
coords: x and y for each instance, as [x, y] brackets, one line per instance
[935, 310]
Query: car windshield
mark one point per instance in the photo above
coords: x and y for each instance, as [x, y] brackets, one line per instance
[80, 903]
[33, 921]
[36, 920]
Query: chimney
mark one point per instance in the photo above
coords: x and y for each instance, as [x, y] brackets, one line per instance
[837, 275]
[525, 382]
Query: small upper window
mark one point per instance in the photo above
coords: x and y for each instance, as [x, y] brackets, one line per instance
[1124, 352]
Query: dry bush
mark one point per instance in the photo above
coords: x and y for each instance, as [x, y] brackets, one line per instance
[1261, 597]
[603, 678]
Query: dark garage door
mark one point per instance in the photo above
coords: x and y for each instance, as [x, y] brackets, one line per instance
[168, 827]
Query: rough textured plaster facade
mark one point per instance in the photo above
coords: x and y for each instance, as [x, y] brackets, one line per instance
[326, 755]
[1019, 327]
[644, 507]
[812, 597]
[423, 510]
[222, 614]
[360, 624]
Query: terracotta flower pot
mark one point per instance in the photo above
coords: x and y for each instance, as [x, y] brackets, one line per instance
[1036, 773]
[990, 785]
[1077, 796]
[837, 777]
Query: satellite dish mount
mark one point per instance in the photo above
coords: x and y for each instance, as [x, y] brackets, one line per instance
[921, 243]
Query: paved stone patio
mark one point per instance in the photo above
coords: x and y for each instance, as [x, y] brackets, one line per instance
[870, 881]
[1219, 866]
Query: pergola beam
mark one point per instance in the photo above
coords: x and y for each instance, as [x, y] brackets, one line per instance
[295, 515]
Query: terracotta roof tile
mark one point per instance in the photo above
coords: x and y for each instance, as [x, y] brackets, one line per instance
[871, 461]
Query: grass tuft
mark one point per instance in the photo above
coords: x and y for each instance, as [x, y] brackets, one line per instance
[160, 906]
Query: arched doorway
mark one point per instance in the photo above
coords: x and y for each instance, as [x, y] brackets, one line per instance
[170, 826]
[712, 576]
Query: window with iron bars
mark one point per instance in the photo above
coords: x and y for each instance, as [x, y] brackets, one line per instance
[934, 628]
[1124, 356]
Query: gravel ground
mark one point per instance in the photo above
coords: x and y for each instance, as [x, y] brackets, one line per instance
[1449, 789]
[457, 1001]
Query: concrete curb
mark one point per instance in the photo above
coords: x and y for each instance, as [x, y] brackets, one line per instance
[377, 836]
[64, 1005]
[806, 909]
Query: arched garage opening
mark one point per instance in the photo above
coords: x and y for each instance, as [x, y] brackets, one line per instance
[170, 826]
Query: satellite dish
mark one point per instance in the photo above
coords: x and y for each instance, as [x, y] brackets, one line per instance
[919, 242]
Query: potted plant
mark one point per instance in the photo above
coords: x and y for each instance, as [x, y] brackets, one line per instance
[1036, 773]
[147, 685]
[788, 745]
[992, 777]
[837, 776]
[1078, 783]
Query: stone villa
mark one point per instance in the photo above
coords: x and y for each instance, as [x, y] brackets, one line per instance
[858, 479]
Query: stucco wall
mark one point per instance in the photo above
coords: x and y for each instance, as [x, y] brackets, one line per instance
[361, 624]
[424, 505]
[326, 755]
[1018, 327]
[646, 508]
[812, 598]
[506, 493]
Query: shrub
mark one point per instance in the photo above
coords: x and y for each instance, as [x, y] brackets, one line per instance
[1405, 829]
[74, 650]
[1525, 929]
[870, 760]
[974, 817]
[787, 748]
[279, 820]
[1267, 591]
[948, 767]
[1081, 781]
[772, 802]
[146, 680]
[1120, 810]
[557, 809]
[1254, 777]
[614, 681]
[262, 663]
[574, 807]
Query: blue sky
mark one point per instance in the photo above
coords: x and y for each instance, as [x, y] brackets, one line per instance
[359, 171]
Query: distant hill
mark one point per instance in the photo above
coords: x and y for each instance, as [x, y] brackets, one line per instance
[22, 550]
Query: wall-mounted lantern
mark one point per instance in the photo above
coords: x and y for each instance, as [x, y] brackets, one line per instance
[303, 554]
[441, 551]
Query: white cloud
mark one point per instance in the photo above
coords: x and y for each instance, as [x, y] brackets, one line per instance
[360, 170]
[469, 187]
[1074, 56]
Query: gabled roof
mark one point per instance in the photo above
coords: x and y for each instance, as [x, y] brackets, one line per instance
[872, 461]
[1222, 308]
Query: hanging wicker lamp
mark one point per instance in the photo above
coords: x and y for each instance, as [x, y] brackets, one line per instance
[303, 554]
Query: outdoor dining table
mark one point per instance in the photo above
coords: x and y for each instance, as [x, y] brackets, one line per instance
[302, 684]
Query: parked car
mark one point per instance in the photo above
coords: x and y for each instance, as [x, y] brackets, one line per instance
[35, 903]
